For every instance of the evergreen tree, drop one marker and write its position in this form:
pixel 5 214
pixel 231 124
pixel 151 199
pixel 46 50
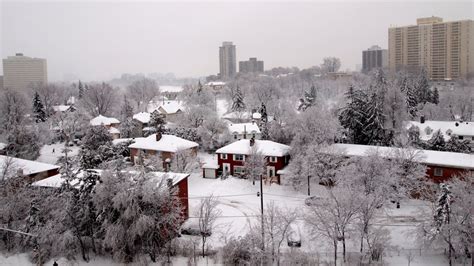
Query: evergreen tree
pixel 435 99
pixel 411 97
pixel 157 121
pixel 422 87
pixel 81 90
pixel 309 99
pixel 96 147
pixel 238 104
pixel 264 122
pixel 374 122
pixel 127 109
pixel 437 141
pixel 199 88
pixel 455 145
pixel 443 206
pixel 38 109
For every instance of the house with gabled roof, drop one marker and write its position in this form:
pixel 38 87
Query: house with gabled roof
pixel 231 159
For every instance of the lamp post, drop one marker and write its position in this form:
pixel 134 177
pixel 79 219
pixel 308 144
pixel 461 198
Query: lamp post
pixel 309 190
pixel 261 211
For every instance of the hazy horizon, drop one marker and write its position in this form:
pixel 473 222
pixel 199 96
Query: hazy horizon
pixel 102 40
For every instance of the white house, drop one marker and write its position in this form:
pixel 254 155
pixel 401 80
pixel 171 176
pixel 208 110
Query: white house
pixel 463 130
pixel 244 131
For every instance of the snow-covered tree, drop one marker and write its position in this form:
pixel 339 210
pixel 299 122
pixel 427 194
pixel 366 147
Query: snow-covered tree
pixel 238 104
pixel 99 99
pixel 142 91
pixel 422 87
pixel 308 100
pixel 23 142
pixel 81 89
pixel 38 109
pixel 435 99
pixel 96 147
pixel 207 213
pixel 456 145
pixel 255 164
pixel 437 142
pixel 213 133
pixel 13 109
pixel 157 121
pixel 330 64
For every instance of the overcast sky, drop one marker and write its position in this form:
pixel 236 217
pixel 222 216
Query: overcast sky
pixel 101 40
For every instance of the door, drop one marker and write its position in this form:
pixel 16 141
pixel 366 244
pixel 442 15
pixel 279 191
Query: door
pixel 225 169
pixel 270 171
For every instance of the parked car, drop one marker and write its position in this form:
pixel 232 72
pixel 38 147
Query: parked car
pixel 313 200
pixel 194 231
pixel 294 237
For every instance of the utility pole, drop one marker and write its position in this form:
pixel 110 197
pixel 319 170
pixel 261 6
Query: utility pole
pixel 261 210
pixel 309 191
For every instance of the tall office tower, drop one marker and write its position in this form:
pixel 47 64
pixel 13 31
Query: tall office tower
pixel 20 72
pixel 251 66
pixel 374 57
pixel 445 49
pixel 227 60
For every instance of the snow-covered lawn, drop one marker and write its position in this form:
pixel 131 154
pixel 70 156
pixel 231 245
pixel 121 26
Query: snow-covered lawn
pixel 51 153
pixel 221 105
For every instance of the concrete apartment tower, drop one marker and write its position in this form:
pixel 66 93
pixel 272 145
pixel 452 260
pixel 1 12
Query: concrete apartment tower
pixel 251 66
pixel 374 57
pixel 20 72
pixel 445 49
pixel 227 60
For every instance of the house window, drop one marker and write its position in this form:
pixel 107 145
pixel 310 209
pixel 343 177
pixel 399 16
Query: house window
pixel 239 170
pixel 461 137
pixel 438 172
pixel 224 156
pixel 235 136
pixel 273 159
pixel 238 157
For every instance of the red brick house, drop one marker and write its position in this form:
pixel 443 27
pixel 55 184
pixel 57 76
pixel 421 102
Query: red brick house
pixel 32 170
pixel 441 166
pixel 231 158
pixel 166 146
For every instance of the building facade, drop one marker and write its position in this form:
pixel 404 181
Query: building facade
pixel 251 66
pixel 444 49
pixel 227 60
pixel 21 72
pixel 374 57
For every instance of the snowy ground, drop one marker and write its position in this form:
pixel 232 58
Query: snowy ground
pixel 240 208
pixel 51 153
pixel 221 105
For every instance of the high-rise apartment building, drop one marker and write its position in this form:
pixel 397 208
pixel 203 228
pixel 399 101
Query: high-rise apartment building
pixel 227 60
pixel 374 57
pixel 20 72
pixel 251 66
pixel 445 49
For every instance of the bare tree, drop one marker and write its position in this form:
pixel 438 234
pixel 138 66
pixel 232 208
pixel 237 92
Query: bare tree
pixel 330 64
pixel 277 224
pixel 255 164
pixel 99 99
pixel 333 217
pixel 9 168
pixel 207 213
pixel 142 91
pixel 50 95
pixel 12 108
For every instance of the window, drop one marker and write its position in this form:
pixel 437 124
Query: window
pixel 238 157
pixel 235 136
pixel 273 159
pixel 438 172
pixel 223 156
pixel 239 170
pixel 461 137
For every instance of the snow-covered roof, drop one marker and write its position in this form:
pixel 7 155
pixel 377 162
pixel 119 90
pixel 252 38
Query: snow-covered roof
pixel 171 107
pixel 28 167
pixel 210 165
pixel 167 88
pixel 142 117
pixel 436 158
pixel 2 146
pixel 175 177
pixel 256 115
pixel 103 120
pixel 54 181
pixel 61 108
pixel 240 128
pixel 266 147
pixel 215 83
pixel 168 143
pixel 448 128
pixel 113 130
pixel 118 141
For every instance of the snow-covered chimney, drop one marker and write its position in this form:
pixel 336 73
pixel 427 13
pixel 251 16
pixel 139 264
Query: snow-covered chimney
pixel 422 119
pixel 252 142
pixel 158 136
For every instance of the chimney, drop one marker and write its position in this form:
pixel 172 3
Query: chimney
pixel 422 119
pixel 19 172
pixel 252 142
pixel 158 136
